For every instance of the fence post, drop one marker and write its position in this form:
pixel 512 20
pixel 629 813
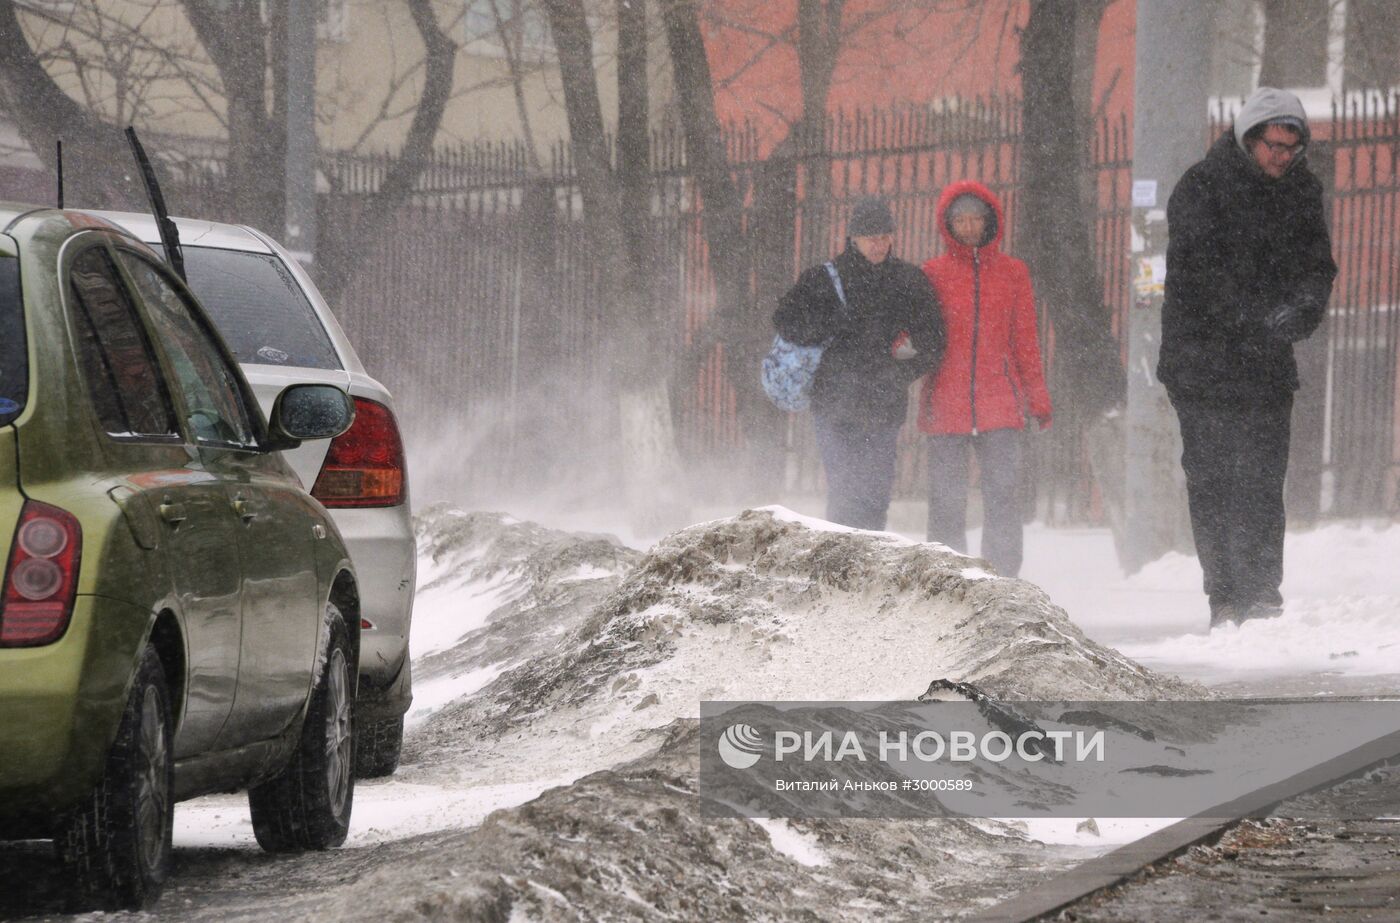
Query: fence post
pixel 540 350
pixel 1303 492
pixel 775 230
pixel 539 321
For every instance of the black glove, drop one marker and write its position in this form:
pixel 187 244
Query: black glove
pixel 1287 323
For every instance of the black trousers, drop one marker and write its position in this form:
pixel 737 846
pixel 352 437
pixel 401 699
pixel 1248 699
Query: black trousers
pixel 859 458
pixel 1235 457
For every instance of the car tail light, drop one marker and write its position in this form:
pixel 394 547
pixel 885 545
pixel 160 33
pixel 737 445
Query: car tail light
pixel 364 466
pixel 42 576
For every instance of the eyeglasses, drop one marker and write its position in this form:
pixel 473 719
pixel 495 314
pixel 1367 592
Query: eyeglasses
pixel 1278 147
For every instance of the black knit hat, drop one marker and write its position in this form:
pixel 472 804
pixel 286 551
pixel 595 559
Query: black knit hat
pixel 869 218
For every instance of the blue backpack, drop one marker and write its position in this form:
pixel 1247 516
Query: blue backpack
pixel 788 369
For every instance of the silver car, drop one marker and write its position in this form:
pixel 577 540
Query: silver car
pixel 282 332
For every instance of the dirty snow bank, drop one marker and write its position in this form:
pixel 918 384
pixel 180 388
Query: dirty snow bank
pixel 762 607
pixel 572 669
pixel 493 592
pixel 759 606
pixel 630 844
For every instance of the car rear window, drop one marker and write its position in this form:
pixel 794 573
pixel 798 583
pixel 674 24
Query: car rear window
pixel 14 348
pixel 259 309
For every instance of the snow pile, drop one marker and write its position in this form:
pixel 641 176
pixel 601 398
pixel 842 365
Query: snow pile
pixel 629 844
pixel 551 764
pixel 760 607
pixel 570 671
pixel 493 592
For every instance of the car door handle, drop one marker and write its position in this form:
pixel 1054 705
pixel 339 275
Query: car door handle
pixel 246 509
pixel 173 513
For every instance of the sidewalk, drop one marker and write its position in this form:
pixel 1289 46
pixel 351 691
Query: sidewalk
pixel 1276 869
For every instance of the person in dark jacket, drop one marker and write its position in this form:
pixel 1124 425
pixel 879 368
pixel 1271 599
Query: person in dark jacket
pixel 990 381
pixel 1249 272
pixel 887 334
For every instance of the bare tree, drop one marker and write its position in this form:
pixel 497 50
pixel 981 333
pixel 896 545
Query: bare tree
pixel 1057 228
pixel 740 321
pixel 647 463
pixel 707 158
pixel 232 65
pixel 1295 43
pixel 633 147
pixel 573 40
pixel 1372 44
pixel 96 163
pixel 342 242
pixel 510 28
pixel 1058 201
pixel 250 53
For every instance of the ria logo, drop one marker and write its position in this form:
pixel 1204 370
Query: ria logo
pixel 740 746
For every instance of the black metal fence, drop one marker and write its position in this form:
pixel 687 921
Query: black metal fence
pixel 485 279
pixel 1360 454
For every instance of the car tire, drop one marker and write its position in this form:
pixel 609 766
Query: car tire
pixel 307 804
pixel 115 845
pixel 377 747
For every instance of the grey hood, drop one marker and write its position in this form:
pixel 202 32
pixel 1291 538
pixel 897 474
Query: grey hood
pixel 1267 104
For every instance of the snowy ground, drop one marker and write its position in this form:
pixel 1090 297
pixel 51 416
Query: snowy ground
pixel 1339 632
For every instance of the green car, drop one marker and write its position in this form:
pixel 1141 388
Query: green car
pixel 178 615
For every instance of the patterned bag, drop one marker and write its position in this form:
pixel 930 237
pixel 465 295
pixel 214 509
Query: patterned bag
pixel 788 370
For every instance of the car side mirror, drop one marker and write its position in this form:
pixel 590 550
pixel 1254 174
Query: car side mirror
pixel 309 412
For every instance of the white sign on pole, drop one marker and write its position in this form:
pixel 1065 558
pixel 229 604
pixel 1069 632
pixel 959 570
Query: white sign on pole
pixel 1144 193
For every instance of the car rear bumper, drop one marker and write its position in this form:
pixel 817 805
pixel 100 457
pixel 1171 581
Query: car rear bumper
pixel 60 705
pixel 382 547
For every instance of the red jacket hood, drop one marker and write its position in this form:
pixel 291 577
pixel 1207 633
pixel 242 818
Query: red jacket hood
pixel 951 192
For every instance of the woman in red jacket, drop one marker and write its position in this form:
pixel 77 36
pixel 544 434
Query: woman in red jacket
pixel 990 380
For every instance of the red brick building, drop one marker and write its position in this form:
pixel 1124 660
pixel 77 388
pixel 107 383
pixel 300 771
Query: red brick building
pixel 894 54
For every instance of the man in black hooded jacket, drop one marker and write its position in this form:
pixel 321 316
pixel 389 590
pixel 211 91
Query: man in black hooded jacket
pixel 1249 272
pixel 888 333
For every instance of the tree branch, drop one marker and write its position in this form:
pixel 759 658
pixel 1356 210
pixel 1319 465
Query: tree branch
pixel 341 241
pixel 574 43
pixel 94 152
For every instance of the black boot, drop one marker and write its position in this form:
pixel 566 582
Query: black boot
pixel 1226 614
pixel 1261 611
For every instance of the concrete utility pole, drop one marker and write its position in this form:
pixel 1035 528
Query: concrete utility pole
pixel 1170 104
pixel 300 236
